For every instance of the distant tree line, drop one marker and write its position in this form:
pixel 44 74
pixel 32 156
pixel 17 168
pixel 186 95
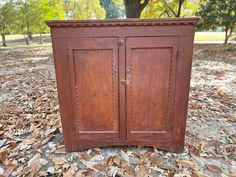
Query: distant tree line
pixel 28 17
pixel 218 13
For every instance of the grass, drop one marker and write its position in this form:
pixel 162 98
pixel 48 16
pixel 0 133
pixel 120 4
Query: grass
pixel 20 36
pixel 19 41
pixel 211 36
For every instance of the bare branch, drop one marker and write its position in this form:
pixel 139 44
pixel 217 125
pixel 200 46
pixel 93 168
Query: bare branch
pixel 144 4
pixel 166 4
pixel 179 9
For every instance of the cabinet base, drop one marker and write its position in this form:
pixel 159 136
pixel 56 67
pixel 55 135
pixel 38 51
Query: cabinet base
pixel 166 146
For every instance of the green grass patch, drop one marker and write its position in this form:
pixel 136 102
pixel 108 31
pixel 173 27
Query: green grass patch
pixel 211 36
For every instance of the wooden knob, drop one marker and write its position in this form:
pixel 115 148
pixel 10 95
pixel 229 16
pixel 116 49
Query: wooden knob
pixel 120 41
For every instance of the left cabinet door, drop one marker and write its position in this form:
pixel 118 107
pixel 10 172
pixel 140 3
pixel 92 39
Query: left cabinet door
pixel 93 64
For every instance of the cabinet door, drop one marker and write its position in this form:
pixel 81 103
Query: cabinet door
pixel 94 83
pixel 150 72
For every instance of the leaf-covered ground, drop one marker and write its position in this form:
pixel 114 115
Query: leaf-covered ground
pixel 31 141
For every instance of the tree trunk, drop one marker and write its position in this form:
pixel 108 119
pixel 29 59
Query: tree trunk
pixel 4 40
pixel 41 38
pixel 180 7
pixel 30 36
pixel 226 35
pixel 27 39
pixel 133 8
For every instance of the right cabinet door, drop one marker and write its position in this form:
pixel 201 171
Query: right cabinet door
pixel 150 74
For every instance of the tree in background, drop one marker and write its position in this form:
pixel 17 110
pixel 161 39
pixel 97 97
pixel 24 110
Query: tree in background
pixel 218 13
pixel 133 8
pixel 168 9
pixel 112 9
pixel 84 9
pixel 160 8
pixel 47 10
pixel 27 13
pixel 31 16
pixel 7 17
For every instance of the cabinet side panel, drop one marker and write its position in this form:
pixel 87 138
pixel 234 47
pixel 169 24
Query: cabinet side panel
pixel 183 75
pixel 64 91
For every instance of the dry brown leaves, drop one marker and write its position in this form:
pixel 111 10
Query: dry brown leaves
pixel 31 136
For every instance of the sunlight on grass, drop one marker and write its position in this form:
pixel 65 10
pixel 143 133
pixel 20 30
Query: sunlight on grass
pixel 17 40
pixel 209 36
pixel 19 36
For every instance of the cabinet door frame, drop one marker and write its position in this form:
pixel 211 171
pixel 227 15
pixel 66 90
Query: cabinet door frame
pixel 148 43
pixel 94 44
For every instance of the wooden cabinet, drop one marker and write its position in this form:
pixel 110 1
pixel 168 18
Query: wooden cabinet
pixel 123 82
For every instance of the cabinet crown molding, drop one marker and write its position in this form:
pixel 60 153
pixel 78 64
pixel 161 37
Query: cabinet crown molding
pixel 123 22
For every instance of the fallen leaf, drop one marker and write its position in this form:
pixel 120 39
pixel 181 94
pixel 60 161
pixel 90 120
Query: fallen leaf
pixel 46 140
pixel 84 156
pixel 90 165
pixel 115 160
pixel 30 141
pixel 42 173
pixel 198 174
pixel 7 171
pixel 58 160
pixel 85 172
pixel 100 167
pixel 13 145
pixel 51 170
pixel 168 167
pixel 60 150
pixel 81 173
pixel 2 142
pixel 1 170
pixel 124 156
pixel 71 171
pixel 154 160
pixel 43 161
pixel 3 155
pixel 143 172
pixel 97 157
pixel 171 174
pixel 187 163
pixel 35 168
pixel 34 160
pixel 220 93
pixel 214 168
pixel 95 152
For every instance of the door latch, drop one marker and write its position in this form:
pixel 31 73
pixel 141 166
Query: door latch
pixel 124 81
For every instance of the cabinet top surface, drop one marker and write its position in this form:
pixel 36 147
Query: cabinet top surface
pixel 123 22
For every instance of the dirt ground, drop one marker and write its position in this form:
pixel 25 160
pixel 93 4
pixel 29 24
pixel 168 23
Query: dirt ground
pixel 31 141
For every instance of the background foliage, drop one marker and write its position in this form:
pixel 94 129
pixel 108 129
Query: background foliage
pixel 27 17
pixel 218 13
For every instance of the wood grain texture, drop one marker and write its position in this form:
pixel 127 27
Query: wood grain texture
pixel 64 92
pixel 123 82
pixel 94 81
pixel 151 62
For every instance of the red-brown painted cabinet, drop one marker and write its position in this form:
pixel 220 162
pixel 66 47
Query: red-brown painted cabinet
pixel 123 82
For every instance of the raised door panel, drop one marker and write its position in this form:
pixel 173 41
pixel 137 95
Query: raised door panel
pixel 150 67
pixel 94 83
